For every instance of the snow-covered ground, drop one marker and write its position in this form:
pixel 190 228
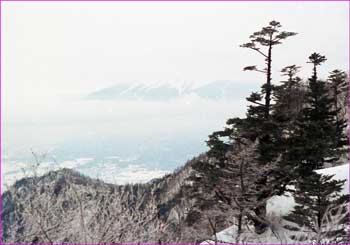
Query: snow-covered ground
pixel 277 207
pixel 281 205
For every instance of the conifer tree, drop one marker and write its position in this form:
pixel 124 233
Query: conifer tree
pixel 339 88
pixel 258 118
pixel 311 145
pixel 266 38
pixel 258 121
pixel 257 124
pixel 288 96
pixel 314 136
pixel 318 200
pixel 258 113
pixel 338 81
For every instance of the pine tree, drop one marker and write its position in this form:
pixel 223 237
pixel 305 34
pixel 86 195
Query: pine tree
pixel 257 124
pixel 288 97
pixel 267 38
pixel 289 100
pixel 258 115
pixel 310 146
pixel 258 118
pixel 339 89
pixel 312 142
pixel 258 121
pixel 318 200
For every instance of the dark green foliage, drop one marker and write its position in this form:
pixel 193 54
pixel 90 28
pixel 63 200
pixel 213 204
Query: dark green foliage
pixel 312 142
pixel 299 133
pixel 267 38
pixel 339 88
pixel 217 146
pixel 258 119
pixel 318 201
pixel 257 125
pixel 288 97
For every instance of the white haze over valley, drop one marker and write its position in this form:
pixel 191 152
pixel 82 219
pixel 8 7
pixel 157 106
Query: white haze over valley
pixel 119 141
pixel 127 92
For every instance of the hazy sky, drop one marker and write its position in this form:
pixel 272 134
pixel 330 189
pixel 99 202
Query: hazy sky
pixel 55 51
pixel 76 47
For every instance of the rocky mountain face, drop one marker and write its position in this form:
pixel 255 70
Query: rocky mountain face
pixel 65 207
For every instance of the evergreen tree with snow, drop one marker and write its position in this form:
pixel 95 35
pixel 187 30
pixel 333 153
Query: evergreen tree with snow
pixel 321 210
pixel 258 124
pixel 313 140
pixel 314 143
pixel 258 120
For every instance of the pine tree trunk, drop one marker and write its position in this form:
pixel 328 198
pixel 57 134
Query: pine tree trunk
pixel 240 218
pixel 268 83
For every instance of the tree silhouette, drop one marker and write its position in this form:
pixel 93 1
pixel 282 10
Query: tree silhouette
pixel 266 38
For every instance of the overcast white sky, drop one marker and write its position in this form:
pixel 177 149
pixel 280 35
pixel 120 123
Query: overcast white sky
pixel 76 47
pixel 57 50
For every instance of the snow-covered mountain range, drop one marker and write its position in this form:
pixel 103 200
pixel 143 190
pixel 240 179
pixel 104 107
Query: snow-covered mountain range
pixel 217 90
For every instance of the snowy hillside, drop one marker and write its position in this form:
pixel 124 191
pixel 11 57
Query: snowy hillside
pixel 163 209
pixel 277 207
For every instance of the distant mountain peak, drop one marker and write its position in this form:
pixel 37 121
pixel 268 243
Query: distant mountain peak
pixel 162 91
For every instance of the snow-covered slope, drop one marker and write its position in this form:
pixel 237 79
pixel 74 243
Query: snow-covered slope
pixel 277 207
pixel 281 205
pixel 77 209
